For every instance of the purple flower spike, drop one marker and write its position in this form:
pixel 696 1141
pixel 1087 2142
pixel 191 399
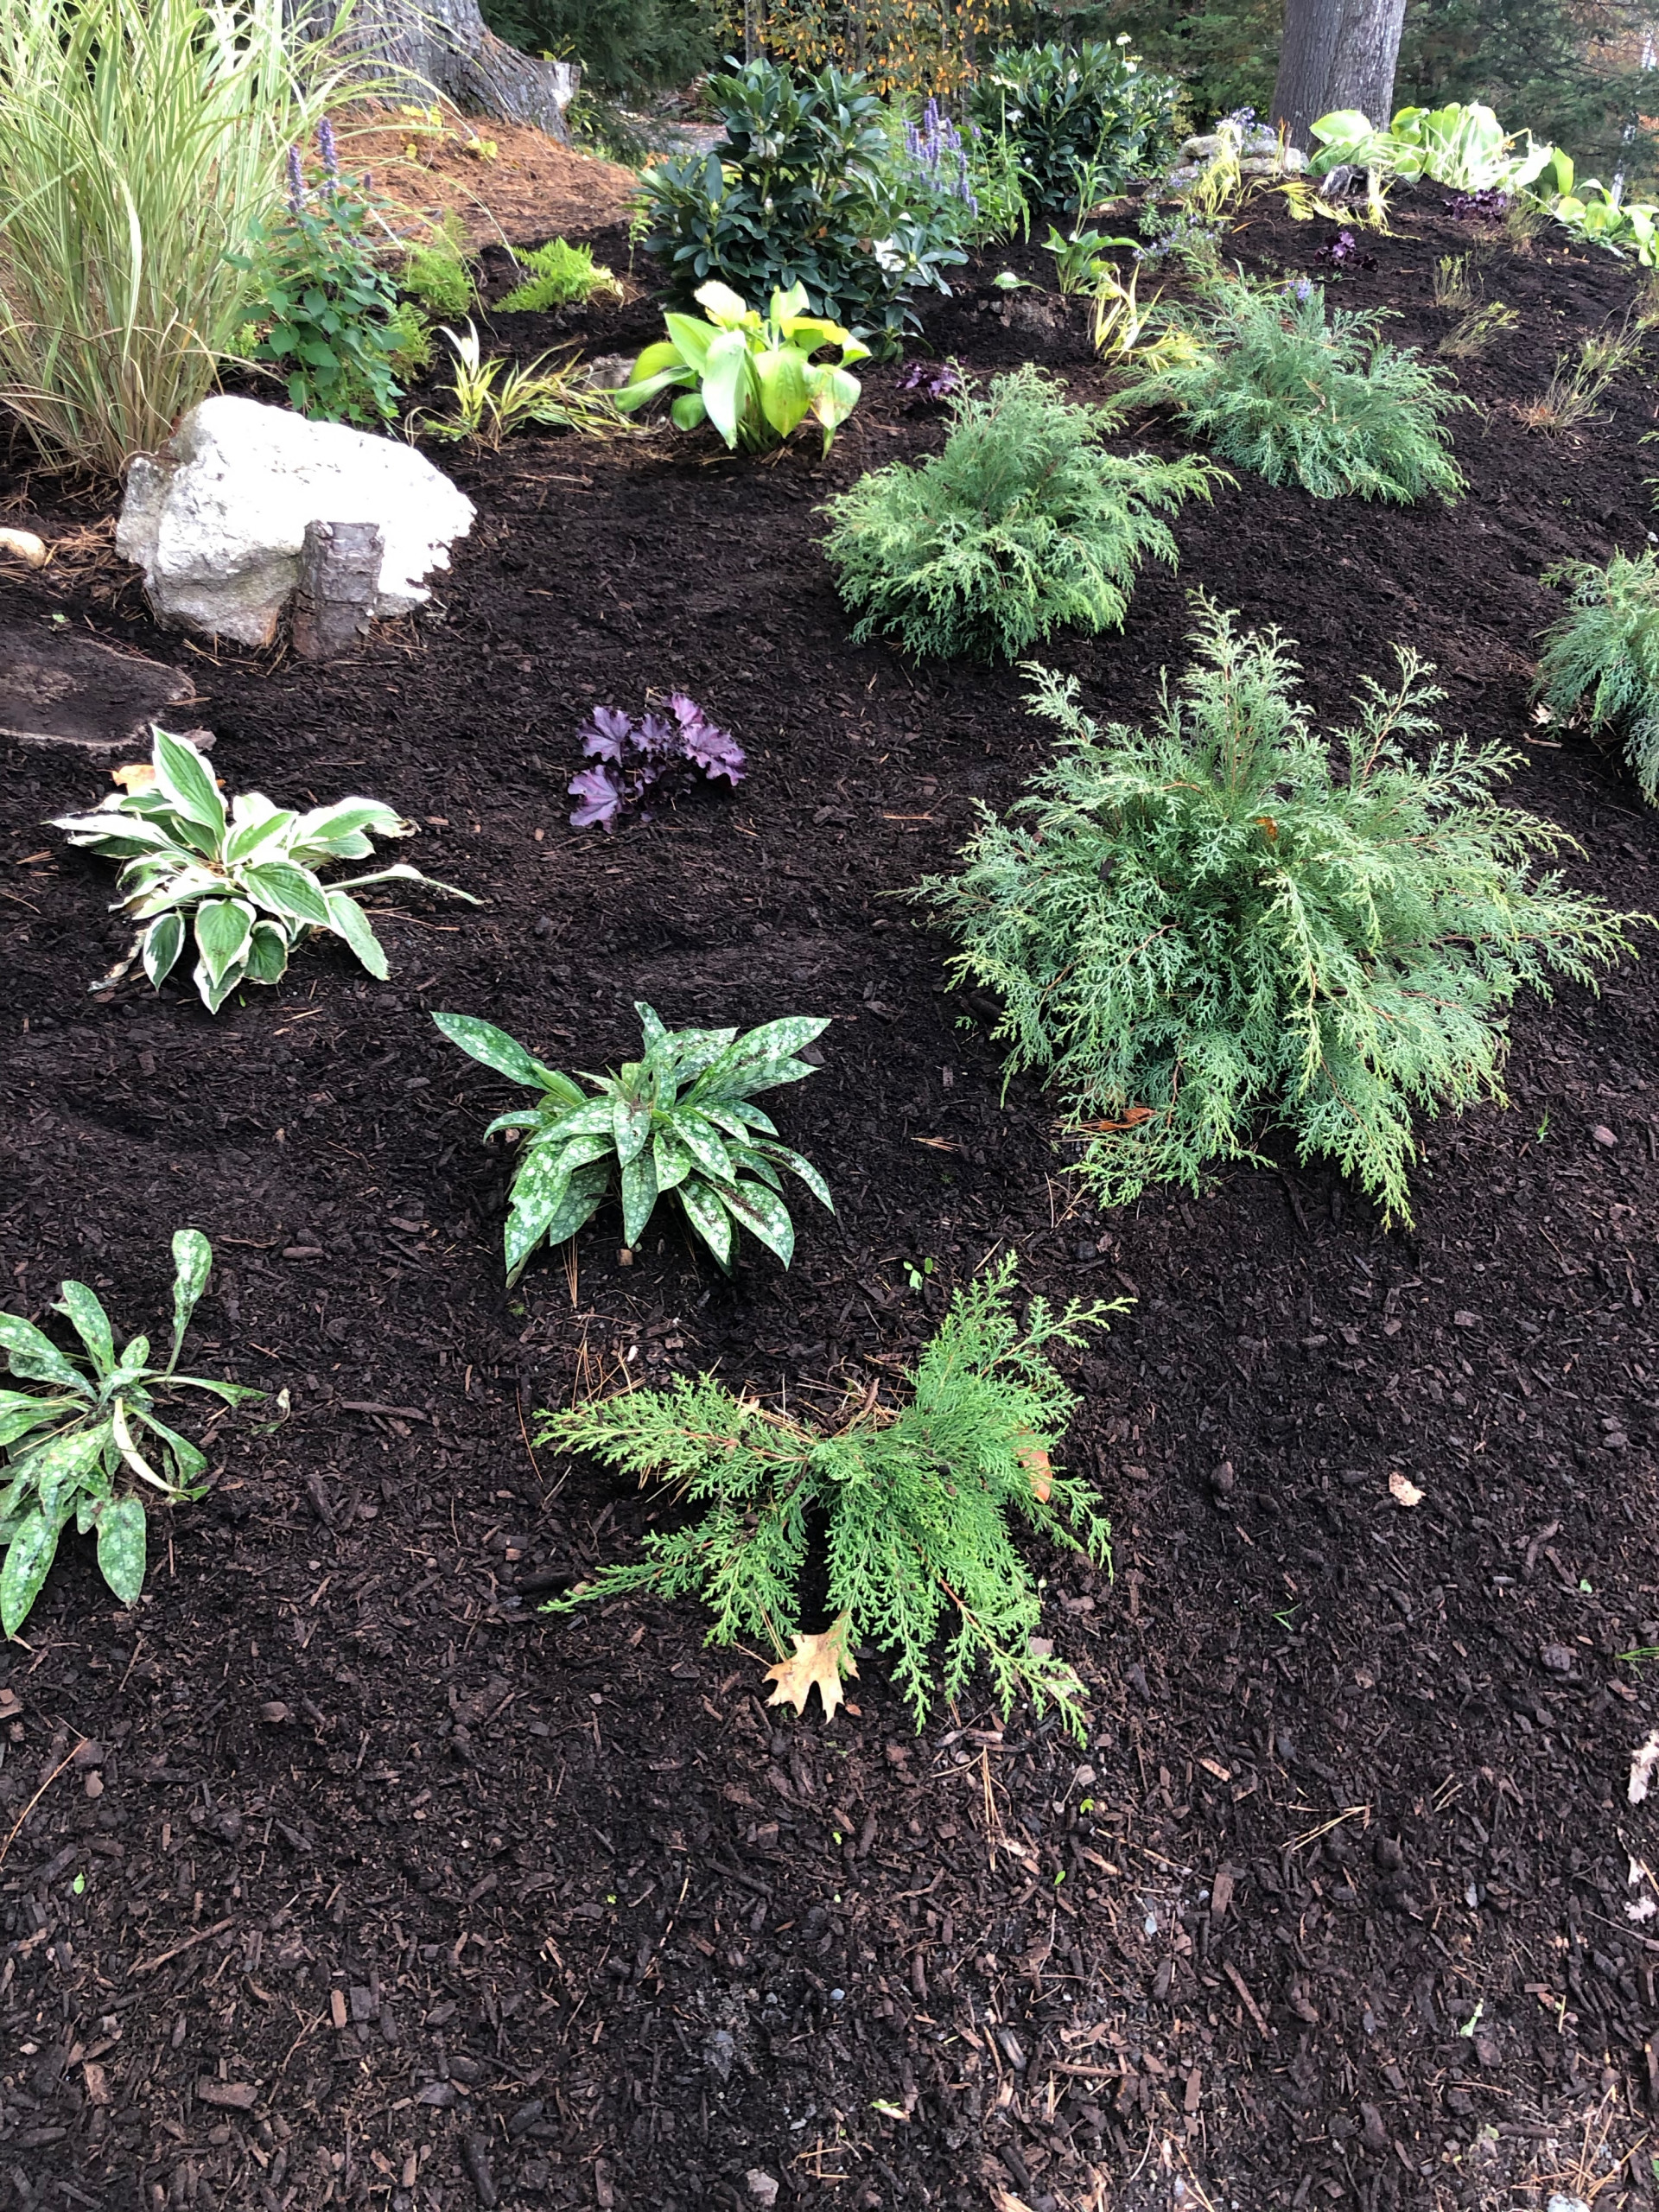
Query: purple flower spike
pixel 326 147
pixel 296 180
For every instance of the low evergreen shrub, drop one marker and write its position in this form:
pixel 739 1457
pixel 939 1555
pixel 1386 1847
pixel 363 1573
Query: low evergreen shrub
pixel 1274 385
pixel 919 1499
pixel 1212 925
pixel 1606 651
pixel 1024 523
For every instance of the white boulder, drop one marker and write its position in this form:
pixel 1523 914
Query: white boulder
pixel 217 519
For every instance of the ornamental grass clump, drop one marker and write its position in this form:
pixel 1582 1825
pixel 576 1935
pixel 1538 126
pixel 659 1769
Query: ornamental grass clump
pixel 1606 652
pixel 1225 923
pixel 1274 383
pixel 1024 523
pixel 916 1501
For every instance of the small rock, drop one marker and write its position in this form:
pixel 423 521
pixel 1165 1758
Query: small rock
pixel 1560 2203
pixel 1601 1134
pixel 1557 1658
pixel 1388 1856
pixel 1373 2133
pixel 275 1713
pixel 1222 1478
pixel 1463 1319
pixel 761 2186
pixel 441 2094
pixel 238 2096
pixel 475 2156
pixel 718 2050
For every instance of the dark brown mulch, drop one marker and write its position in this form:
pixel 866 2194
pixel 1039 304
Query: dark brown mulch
pixel 340 1875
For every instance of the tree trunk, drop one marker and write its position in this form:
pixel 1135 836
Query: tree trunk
pixel 1335 53
pixel 446 44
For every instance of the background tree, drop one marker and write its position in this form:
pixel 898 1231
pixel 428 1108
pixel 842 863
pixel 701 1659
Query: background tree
pixel 1335 53
pixel 447 44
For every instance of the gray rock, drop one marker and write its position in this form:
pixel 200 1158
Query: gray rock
pixel 217 518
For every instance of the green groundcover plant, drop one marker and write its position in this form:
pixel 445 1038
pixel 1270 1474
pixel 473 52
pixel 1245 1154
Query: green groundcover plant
pixel 246 876
pixel 680 1118
pixel 1212 925
pixel 918 1500
pixel 436 272
pixel 1605 652
pixel 1023 524
pixel 1273 385
pixel 94 1428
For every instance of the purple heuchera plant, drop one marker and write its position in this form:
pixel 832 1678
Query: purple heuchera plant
pixel 1489 205
pixel 637 758
pixel 933 380
pixel 1345 252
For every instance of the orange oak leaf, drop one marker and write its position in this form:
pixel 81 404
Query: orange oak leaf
pixel 821 1659
pixel 1034 1458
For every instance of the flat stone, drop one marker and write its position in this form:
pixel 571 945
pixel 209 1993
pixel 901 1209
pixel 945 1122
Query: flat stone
pixel 59 688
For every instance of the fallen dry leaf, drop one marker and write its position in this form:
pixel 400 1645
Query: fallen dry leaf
pixel 1644 1759
pixel 1403 1491
pixel 25 545
pixel 821 1659
pixel 1006 2201
pixel 1035 1461
pixel 136 776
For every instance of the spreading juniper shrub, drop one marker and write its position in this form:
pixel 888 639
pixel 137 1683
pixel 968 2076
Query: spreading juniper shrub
pixel 1023 524
pixel 1226 922
pixel 1272 382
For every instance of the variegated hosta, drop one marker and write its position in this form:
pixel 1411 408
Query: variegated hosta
pixel 679 1119
pixel 250 874
pixel 95 1423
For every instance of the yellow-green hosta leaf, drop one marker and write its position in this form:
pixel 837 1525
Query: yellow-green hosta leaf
pixel 688 412
pixel 785 392
pixel 692 338
pixel 726 307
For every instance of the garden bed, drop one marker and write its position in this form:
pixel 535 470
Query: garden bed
pixel 371 1886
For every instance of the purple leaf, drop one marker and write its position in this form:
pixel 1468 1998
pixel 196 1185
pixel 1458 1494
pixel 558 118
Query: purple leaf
pixel 602 799
pixel 657 740
pixel 607 734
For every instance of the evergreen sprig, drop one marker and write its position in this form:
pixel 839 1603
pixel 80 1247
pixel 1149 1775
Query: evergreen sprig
pixel 1273 385
pixel 1022 525
pixel 1607 651
pixel 918 1500
pixel 1209 925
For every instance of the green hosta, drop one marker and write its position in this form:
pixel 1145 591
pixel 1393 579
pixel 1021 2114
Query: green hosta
pixel 93 1426
pixel 246 877
pixel 677 1119
pixel 752 376
pixel 918 1502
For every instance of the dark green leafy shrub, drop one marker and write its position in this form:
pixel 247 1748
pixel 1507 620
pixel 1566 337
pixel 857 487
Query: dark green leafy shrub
pixel 1262 375
pixel 1210 926
pixel 1607 651
pixel 803 189
pixel 1085 118
pixel 1023 523
pixel 918 1500
pixel 560 275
